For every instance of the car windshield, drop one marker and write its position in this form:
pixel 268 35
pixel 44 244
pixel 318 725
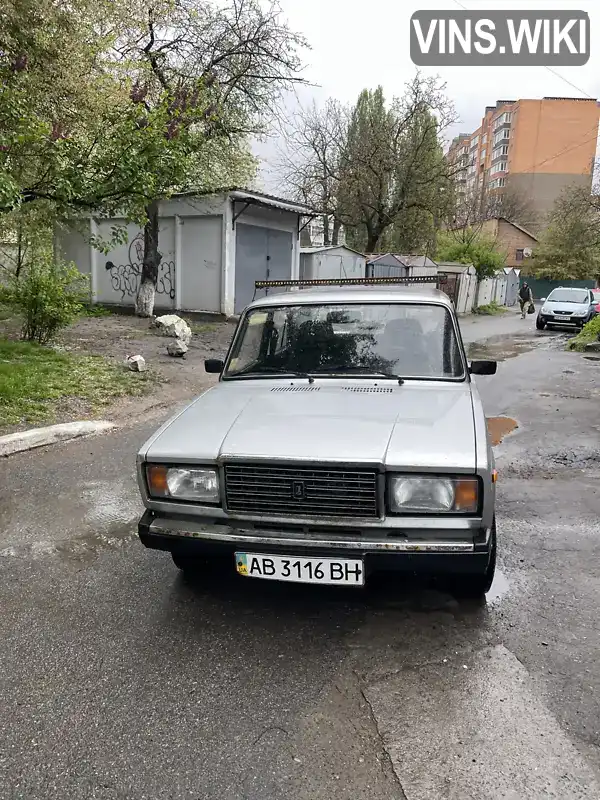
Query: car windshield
pixel 394 340
pixel 569 296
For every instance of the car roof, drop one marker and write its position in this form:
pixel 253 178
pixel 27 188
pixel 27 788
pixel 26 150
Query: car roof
pixel 355 294
pixel 571 289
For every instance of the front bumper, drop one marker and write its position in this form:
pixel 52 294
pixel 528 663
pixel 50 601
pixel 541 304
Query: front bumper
pixel 447 553
pixel 574 322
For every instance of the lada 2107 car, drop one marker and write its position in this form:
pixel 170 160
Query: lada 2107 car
pixel 345 436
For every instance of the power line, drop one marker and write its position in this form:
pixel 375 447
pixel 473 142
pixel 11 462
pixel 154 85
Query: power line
pixel 568 149
pixel 552 71
pixel 562 77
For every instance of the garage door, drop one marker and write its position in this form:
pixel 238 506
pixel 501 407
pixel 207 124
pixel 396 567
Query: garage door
pixel 201 246
pixel 260 254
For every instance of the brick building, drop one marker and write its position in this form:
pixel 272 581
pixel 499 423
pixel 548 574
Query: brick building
pixel 517 241
pixel 538 147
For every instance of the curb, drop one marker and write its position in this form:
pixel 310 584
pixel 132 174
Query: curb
pixel 41 437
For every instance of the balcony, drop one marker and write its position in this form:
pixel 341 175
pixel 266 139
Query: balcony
pixel 502 120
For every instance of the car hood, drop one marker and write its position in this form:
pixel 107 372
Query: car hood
pixel 553 305
pixel 414 426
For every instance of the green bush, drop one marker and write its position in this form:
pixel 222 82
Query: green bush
pixel 589 333
pixel 48 295
pixel 477 249
pixel 491 309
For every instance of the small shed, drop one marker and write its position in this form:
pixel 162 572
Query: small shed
pixel 213 246
pixel 512 285
pixel 334 261
pixel 493 290
pixel 385 265
pixel 465 276
pixel 418 266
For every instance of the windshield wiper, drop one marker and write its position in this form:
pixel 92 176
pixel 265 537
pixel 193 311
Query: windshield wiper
pixel 344 369
pixel 266 371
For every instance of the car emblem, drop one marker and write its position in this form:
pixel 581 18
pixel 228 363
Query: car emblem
pixel 298 490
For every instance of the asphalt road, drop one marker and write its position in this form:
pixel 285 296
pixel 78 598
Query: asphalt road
pixel 120 680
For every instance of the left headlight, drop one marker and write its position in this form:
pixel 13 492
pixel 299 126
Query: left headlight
pixel 200 485
pixel 434 495
pixel 580 313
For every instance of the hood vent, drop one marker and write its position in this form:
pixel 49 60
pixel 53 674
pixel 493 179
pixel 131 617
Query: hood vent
pixel 370 389
pixel 296 389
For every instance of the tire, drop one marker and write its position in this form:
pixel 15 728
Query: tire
pixel 478 585
pixel 189 565
pixel 540 324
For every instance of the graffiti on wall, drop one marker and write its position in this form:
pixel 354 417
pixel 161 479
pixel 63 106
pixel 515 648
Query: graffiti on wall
pixel 125 278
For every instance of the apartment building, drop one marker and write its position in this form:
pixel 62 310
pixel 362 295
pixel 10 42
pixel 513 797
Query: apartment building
pixel 539 147
pixel 313 234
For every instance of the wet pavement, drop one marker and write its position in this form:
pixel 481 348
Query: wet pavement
pixel 119 679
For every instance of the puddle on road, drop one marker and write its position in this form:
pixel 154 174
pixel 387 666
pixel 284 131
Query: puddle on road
pixel 109 503
pixel 501 348
pixel 93 542
pixel 500 427
pixel 81 548
pixel 500 588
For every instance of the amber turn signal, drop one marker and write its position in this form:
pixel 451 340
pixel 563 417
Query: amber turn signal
pixel 466 496
pixel 157 480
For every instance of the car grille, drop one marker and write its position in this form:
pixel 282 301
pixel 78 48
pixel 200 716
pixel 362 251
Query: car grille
pixel 301 491
pixel 563 313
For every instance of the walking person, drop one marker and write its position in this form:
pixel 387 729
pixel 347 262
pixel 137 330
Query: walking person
pixel 525 299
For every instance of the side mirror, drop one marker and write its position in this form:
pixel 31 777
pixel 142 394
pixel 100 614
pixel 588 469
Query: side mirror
pixel 543 299
pixel 214 366
pixel 483 367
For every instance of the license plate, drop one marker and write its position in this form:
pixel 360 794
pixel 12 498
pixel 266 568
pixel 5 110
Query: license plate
pixel 560 318
pixel 331 571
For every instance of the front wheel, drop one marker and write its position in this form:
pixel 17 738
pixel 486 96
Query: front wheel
pixel 189 565
pixel 540 324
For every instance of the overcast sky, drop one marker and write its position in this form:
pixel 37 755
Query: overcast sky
pixel 358 45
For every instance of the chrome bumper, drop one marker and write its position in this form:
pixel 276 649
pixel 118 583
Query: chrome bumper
pixel 369 543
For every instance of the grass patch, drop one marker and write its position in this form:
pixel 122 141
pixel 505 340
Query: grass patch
pixel 96 311
pixel 203 327
pixel 590 333
pixel 490 310
pixel 34 380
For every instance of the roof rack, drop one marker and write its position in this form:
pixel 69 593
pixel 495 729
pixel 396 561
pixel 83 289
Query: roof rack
pixel 438 279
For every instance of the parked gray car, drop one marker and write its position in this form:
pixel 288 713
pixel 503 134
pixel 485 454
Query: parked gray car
pixel 567 306
pixel 345 436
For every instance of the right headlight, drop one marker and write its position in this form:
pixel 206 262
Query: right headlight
pixel 433 495
pixel 195 484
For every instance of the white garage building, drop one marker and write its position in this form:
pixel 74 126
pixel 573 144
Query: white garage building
pixel 331 262
pixel 214 247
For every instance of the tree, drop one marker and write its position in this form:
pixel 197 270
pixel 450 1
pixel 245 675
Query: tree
pixel 478 250
pixel 393 160
pixel 208 74
pixel 108 106
pixel 309 166
pixel 470 210
pixel 570 246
